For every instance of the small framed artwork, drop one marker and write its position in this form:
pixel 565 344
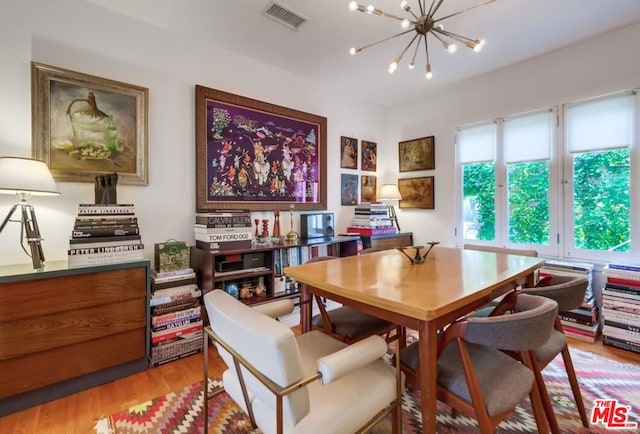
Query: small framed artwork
pixel 348 153
pixel 83 125
pixel 417 192
pixel 368 188
pixel 417 154
pixel 348 189
pixel 369 153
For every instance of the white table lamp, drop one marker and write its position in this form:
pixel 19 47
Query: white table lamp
pixel 26 177
pixel 388 194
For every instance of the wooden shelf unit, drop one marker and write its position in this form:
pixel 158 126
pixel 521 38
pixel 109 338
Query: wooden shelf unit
pixel 204 262
pixel 65 329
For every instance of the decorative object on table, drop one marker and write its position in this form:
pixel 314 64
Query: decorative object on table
pixel 276 223
pixel 390 193
pixel 232 289
pixel 417 154
pixel 260 288
pixel 292 236
pixel 348 152
pixel 417 192
pixel 368 188
pixel 369 156
pixel 348 189
pixel 265 228
pixel 83 125
pixel 257 222
pixel 171 255
pixel 281 150
pixel 105 188
pixel 26 177
pixel 418 257
pixel 423 23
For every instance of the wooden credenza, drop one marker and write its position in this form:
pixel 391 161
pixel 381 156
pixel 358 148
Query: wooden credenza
pixel 65 329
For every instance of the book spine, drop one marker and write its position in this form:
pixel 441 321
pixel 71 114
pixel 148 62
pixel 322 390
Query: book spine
pixel 619 333
pixel 182 289
pixel 226 245
pixel 176 323
pixel 104 249
pixel 622 326
pixel 109 220
pixel 571 320
pixel 622 344
pixel 175 306
pixel 105 241
pixel 225 221
pixel 616 287
pixel 199 229
pixel 371 231
pixel 104 227
pixel 163 274
pixel 621 317
pixel 224 237
pixel 106 210
pixel 105 232
pixel 105 258
pixel 621 274
pixel 156 286
pixel 166 299
pixel 186 313
pixel 159 280
pixel 623 282
pixel 165 335
pixel 179 356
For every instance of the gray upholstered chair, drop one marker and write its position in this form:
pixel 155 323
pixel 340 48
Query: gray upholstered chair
pixel 475 376
pixel 309 383
pixel 569 293
pixel 348 324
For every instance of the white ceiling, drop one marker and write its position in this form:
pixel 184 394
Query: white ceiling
pixel 515 30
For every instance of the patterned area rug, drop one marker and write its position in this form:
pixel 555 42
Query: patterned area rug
pixel 181 412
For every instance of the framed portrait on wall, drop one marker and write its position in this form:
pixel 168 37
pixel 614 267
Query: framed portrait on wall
pixel 368 188
pixel 348 189
pixel 256 155
pixel 369 153
pixel 348 153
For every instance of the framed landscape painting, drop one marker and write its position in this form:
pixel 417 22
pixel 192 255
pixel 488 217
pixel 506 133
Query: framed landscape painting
pixel 417 192
pixel 83 125
pixel 256 155
pixel 417 154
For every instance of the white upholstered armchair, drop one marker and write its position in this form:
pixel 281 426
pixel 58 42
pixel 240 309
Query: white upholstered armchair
pixel 300 384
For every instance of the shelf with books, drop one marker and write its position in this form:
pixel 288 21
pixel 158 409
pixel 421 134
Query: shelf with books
pixel 621 307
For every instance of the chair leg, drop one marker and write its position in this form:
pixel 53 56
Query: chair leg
pixel 537 406
pixel 575 387
pixel 544 397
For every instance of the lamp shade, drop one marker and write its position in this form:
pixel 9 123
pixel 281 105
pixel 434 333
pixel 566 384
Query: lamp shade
pixel 25 175
pixel 389 192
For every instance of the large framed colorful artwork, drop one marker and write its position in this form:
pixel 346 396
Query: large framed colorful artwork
pixel 256 155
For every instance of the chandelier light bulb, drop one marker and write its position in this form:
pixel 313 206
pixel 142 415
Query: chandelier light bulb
pixel 412 65
pixel 404 5
pixel 404 24
pixel 428 75
pixel 392 67
pixel 371 8
pixel 353 6
pixel 353 51
pixel 452 48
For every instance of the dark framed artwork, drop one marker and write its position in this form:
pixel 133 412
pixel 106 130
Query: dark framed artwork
pixel 83 125
pixel 417 154
pixel 348 189
pixel 348 152
pixel 368 188
pixel 256 155
pixel 417 192
pixel 369 152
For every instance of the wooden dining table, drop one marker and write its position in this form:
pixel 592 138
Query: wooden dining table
pixel 424 296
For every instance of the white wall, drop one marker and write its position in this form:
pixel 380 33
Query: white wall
pixel 594 67
pixel 82 37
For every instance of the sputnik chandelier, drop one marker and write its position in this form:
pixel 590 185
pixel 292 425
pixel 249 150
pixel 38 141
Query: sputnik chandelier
pixel 423 24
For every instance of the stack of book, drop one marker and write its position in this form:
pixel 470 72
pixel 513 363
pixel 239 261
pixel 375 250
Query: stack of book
pixel 621 307
pixel 583 322
pixel 104 234
pixel 371 218
pixel 176 315
pixel 223 230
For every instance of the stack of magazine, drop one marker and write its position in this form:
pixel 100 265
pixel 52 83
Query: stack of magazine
pixel 105 234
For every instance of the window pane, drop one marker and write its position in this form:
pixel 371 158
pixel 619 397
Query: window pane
pixel 601 182
pixel 528 190
pixel 478 199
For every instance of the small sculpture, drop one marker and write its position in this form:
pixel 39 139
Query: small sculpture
pixel 276 223
pixel 257 222
pixel 265 228
pixel 260 288
pixel 105 189
pixel 292 236
pixel 418 258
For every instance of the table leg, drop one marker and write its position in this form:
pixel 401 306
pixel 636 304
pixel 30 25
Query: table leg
pixel 427 374
pixel 306 305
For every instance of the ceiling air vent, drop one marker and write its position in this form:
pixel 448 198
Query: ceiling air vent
pixel 284 15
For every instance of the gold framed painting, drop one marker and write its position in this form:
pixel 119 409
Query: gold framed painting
pixel 417 154
pixel 417 192
pixel 368 187
pixel 83 125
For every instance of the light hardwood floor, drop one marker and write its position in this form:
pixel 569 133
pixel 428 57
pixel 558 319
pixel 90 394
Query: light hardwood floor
pixel 79 412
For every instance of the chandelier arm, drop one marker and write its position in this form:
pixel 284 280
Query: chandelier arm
pixel 415 52
pixel 364 10
pixel 455 36
pixel 438 37
pixel 464 10
pixel 385 39
pixel 431 11
pixel 426 49
pixel 421 6
pixel 435 9
pixel 407 47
